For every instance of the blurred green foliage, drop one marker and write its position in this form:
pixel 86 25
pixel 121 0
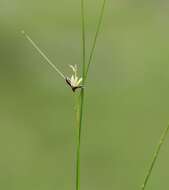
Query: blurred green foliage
pixel 127 99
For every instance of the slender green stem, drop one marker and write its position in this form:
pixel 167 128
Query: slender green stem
pixel 85 72
pixel 42 54
pixel 80 115
pixel 95 37
pixel 81 102
pixel 156 154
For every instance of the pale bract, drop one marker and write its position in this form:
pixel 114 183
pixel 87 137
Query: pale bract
pixel 74 81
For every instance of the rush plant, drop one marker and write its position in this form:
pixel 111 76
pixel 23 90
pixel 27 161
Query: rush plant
pixel 74 82
pixel 78 86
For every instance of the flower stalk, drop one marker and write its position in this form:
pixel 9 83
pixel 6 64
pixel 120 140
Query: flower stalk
pixel 81 98
pixel 85 69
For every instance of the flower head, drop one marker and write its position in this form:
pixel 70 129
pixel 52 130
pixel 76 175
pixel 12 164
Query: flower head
pixel 74 81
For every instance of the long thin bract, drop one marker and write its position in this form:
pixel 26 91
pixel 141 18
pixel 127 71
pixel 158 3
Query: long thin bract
pixel 42 54
pixel 95 38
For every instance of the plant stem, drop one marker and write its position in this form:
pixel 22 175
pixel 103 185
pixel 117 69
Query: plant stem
pixel 81 102
pixel 95 37
pixel 85 72
pixel 156 154
pixel 80 115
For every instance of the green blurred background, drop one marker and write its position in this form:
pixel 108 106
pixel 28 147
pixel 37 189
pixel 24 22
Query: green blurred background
pixel 127 98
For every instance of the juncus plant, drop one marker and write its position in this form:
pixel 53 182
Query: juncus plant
pixel 78 85
pixel 75 82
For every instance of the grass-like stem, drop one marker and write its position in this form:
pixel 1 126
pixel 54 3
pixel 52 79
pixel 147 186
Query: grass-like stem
pixel 85 69
pixel 156 154
pixel 81 99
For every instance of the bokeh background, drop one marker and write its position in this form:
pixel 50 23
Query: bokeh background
pixel 127 97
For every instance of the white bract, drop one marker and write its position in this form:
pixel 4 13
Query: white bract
pixel 74 80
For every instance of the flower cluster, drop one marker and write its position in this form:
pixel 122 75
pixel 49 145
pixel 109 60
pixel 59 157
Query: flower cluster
pixel 74 81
